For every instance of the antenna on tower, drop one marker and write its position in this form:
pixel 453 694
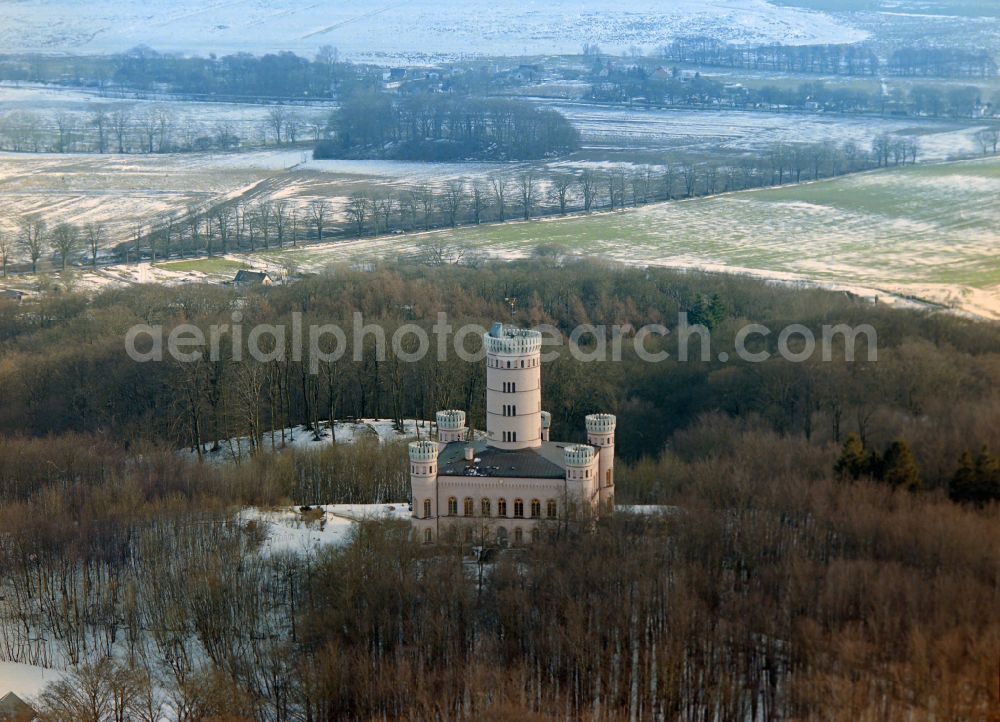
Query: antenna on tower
pixel 512 302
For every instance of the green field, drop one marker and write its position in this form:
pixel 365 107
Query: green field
pixel 929 231
pixel 208 266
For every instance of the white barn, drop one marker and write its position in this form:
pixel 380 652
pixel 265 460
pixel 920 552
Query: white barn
pixel 510 485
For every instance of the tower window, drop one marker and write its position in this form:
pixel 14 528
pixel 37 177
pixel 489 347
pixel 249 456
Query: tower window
pixel 428 536
pixel 427 508
pixel 607 478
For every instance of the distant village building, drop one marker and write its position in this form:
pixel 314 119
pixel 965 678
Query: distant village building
pixel 15 709
pixel 507 487
pixel 246 278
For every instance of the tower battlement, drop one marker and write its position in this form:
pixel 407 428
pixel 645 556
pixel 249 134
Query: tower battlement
pixel 510 341
pixel 579 455
pixel 451 419
pixel 423 451
pixel 600 423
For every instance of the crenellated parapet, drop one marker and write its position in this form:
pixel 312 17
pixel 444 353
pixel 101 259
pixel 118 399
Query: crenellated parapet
pixel 511 341
pixel 422 452
pixel 579 455
pixel 600 423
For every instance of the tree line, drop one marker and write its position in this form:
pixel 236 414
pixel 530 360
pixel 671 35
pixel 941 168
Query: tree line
pixel 124 127
pixel 635 84
pixel 833 59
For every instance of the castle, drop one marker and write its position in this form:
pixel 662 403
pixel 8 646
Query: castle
pixel 507 487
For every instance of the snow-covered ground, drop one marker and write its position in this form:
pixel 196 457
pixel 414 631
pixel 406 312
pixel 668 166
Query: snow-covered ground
pixel 741 131
pixel 346 432
pixel 401 32
pixel 291 530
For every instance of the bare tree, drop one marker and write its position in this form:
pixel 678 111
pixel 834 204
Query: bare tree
pixel 32 239
pixel 65 239
pixel 264 221
pixel 102 121
pixel 454 197
pixel 357 209
pixel 65 126
pixel 149 124
pixel 94 235
pixel 277 119
pixel 560 190
pixel 224 223
pixel 318 211
pixel 121 120
pixel 588 186
pixel 280 221
pixel 500 183
pixel 478 202
pixel 527 187
pixel 6 251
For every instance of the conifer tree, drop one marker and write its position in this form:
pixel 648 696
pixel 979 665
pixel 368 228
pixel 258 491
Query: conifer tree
pixel 963 484
pixel 900 467
pixel 851 463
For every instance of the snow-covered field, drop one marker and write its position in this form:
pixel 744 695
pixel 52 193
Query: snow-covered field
pixel 403 31
pixel 734 131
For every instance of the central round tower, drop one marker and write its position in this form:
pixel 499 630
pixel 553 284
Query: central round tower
pixel 513 387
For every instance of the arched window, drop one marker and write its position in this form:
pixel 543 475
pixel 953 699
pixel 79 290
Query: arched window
pixel 468 533
pixel 501 507
pixel 427 508
pixel 536 534
pixel 518 535
pixel 484 506
pixel 551 508
pixel 519 508
pixel 502 536
pixel 536 508
pixel 607 478
pixel 428 536
pixel 468 508
pixel 452 506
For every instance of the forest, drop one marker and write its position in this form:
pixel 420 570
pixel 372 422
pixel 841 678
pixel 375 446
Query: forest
pixel 442 127
pixel 809 562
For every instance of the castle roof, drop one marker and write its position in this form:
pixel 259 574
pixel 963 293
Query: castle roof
pixel 542 462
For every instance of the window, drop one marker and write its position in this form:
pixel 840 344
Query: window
pixel 536 534
pixel 484 507
pixel 550 508
pixel 513 436
pixel 508 364
pixel 536 508
pixel 452 506
pixel 519 508
pixel 427 508
pixel 607 478
pixel 518 535
pixel 522 363
pixel 428 536
pixel 468 534
pixel 501 507
pixel 468 507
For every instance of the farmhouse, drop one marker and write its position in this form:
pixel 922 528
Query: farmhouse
pixel 509 486
pixel 246 278
pixel 15 709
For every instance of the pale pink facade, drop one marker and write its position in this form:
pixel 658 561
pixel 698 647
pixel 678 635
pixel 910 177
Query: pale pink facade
pixel 509 487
